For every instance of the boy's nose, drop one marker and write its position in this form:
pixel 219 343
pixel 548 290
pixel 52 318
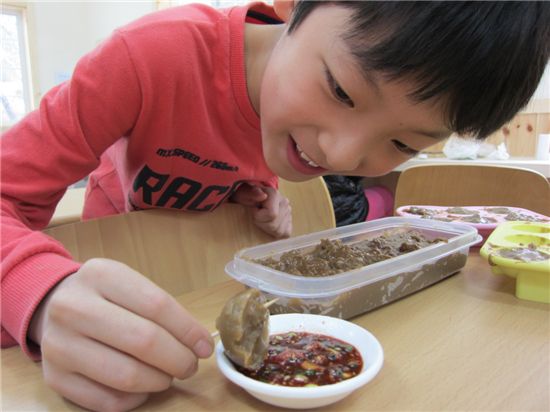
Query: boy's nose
pixel 343 152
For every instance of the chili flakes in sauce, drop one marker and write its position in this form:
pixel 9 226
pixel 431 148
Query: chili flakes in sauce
pixel 306 359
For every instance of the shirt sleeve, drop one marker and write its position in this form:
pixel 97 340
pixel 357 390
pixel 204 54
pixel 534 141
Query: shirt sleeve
pixel 51 148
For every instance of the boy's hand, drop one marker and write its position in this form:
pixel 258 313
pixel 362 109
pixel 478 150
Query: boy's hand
pixel 109 337
pixel 271 211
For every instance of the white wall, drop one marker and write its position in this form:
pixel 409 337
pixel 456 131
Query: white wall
pixel 62 32
pixel 543 91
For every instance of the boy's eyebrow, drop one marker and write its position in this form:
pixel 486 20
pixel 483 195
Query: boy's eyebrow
pixel 372 81
pixel 434 134
pixel 356 67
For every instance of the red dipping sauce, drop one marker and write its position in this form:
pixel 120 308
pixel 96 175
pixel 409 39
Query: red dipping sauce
pixel 306 359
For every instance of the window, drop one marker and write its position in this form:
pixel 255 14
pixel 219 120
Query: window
pixel 215 3
pixel 15 83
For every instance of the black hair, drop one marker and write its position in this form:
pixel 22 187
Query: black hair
pixel 484 59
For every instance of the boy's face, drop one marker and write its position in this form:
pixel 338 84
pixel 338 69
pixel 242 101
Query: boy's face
pixel 321 116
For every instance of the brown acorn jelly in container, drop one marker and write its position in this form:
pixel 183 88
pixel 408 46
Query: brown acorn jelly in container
pixel 350 270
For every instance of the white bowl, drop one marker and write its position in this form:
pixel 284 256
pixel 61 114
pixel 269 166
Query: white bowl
pixel 310 397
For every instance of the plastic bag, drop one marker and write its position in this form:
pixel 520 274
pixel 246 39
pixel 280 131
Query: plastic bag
pixel 459 148
pixel 348 199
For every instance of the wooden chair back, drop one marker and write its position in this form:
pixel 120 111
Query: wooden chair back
pixel 473 185
pixel 182 252
pixel 311 204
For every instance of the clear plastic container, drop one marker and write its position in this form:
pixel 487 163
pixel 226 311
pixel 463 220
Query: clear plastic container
pixel 357 291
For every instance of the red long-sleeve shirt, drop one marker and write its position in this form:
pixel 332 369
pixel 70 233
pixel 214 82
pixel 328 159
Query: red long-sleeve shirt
pixel 158 114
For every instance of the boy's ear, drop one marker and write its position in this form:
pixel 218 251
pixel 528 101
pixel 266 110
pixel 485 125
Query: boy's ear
pixel 283 8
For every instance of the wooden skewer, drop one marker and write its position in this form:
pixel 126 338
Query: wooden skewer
pixel 215 334
pixel 271 302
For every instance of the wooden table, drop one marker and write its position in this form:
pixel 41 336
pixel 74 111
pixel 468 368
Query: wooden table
pixel 466 343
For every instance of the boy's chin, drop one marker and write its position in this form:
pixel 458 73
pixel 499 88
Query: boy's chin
pixel 292 175
pixel 297 179
pixel 285 172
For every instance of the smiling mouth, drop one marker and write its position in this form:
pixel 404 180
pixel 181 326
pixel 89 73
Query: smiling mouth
pixel 301 161
pixel 305 157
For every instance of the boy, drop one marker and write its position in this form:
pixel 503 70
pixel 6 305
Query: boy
pixel 166 113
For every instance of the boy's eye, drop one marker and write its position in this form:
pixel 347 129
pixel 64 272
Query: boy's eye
pixel 402 147
pixel 337 91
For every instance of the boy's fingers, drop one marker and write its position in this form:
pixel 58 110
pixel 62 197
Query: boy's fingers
pixel 266 214
pixel 269 209
pixel 102 363
pixel 88 393
pixel 248 195
pixel 283 229
pixel 286 227
pixel 132 334
pixel 127 288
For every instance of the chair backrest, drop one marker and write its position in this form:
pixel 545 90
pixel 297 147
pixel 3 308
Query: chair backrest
pixel 473 185
pixel 185 251
pixel 69 209
pixel 311 204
